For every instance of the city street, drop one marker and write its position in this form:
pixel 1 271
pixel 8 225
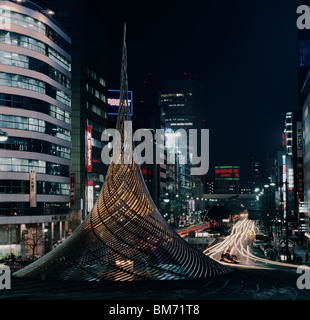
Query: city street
pixel 253 278
pixel 155 152
pixel 197 228
pixel 238 243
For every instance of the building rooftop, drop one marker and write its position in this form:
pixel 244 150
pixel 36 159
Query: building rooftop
pixel 30 5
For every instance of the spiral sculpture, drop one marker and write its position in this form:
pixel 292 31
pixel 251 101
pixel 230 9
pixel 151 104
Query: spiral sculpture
pixel 125 237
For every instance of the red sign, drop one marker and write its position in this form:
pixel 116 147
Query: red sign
pixel 300 181
pixel 72 189
pixel 88 151
pixel 227 172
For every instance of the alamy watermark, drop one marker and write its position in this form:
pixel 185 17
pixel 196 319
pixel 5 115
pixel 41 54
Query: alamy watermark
pixel 5 277
pixel 179 144
pixel 303 281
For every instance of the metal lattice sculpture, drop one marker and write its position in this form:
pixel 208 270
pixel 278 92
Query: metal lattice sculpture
pixel 124 237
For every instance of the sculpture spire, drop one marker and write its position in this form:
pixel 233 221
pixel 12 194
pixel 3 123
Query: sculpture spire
pixel 124 237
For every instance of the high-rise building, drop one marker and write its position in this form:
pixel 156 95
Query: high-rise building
pixel 149 115
pixel 255 172
pixel 182 101
pixel 304 101
pixel 89 98
pixel 303 63
pixel 293 171
pixel 35 113
pixel 227 179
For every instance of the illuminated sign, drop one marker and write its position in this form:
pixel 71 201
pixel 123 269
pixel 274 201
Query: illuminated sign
pixel 290 179
pixel 299 139
pixel 284 183
pixel 113 101
pixel 88 150
pixel 33 188
pixel 90 195
pixel 227 173
pixel 72 189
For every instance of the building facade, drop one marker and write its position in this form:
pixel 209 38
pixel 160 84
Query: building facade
pixel 293 174
pixel 181 101
pixel 89 99
pixel 35 112
pixel 227 179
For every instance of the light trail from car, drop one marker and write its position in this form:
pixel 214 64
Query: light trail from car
pixel 238 243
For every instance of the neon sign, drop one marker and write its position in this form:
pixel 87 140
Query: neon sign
pixel 227 173
pixel 88 152
pixel 113 101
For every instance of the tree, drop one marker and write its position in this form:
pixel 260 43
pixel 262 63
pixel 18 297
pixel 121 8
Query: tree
pixel 34 238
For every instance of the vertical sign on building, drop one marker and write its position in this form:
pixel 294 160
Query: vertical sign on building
pixel 90 195
pixel 72 189
pixel 300 168
pixel 88 149
pixel 33 188
pixel 284 184
pixel 299 139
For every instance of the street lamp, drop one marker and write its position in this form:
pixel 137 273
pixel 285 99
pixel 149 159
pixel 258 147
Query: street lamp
pixel 3 136
pixel 49 12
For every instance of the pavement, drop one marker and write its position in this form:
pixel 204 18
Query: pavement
pixel 257 279
pixel 242 284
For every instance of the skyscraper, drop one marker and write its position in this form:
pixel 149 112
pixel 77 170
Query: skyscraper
pixel 35 112
pixel 181 101
pixel 89 99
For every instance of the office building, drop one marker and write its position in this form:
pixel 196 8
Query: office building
pixel 35 113
pixel 227 179
pixel 182 102
pixel 149 115
pixel 89 99
pixel 293 172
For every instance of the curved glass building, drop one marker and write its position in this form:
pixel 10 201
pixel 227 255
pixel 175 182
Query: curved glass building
pixel 35 112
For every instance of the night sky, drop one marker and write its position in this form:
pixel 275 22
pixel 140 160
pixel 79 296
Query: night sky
pixel 245 53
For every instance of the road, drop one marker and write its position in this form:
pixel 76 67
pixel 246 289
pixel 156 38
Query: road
pixel 253 279
pixel 260 278
pixel 239 243
pixel 197 228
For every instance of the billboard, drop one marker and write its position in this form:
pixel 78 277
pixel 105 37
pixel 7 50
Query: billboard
pixel 90 195
pixel 33 188
pixel 113 101
pixel 72 189
pixel 88 149
pixel 226 172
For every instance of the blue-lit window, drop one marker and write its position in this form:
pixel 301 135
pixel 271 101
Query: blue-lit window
pixel 22 165
pixel 22 61
pixel 17 39
pixel 31 124
pixel 20 102
pixel 18 81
